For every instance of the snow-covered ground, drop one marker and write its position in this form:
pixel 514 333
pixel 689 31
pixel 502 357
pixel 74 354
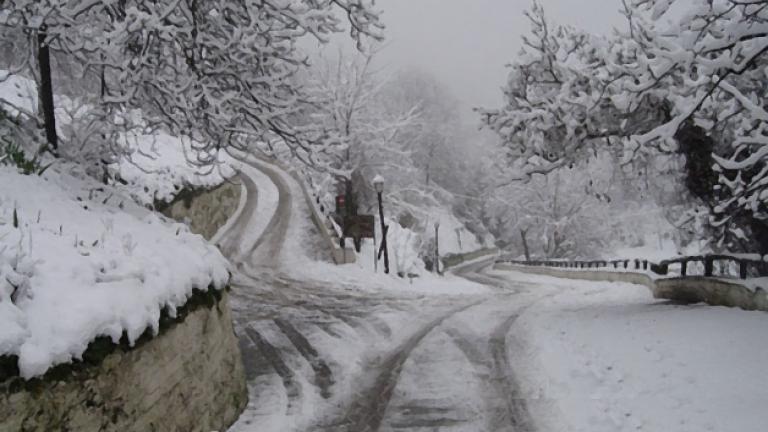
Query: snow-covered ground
pixel 348 317
pixel 86 261
pixel 453 236
pixel 607 357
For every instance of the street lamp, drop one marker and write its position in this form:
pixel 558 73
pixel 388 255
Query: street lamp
pixel 378 185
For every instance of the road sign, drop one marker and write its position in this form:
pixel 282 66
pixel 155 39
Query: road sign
pixel 341 202
pixel 359 226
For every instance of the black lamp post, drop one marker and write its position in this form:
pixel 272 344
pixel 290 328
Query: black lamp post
pixel 378 185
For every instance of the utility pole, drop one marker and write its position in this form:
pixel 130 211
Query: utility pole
pixel 437 249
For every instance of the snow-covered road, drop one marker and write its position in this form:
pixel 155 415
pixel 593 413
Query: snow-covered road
pixel 334 353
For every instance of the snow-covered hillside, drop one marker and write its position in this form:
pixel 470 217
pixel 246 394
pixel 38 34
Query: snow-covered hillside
pixel 152 166
pixel 79 260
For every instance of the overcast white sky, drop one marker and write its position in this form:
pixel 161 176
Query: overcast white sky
pixel 466 43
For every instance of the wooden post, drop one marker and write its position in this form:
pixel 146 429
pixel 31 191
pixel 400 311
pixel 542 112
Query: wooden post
pixel 684 268
pixel 742 269
pixel 437 250
pixel 708 265
pixel 645 264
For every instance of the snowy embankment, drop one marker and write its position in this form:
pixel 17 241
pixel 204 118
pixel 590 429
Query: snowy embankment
pixel 598 356
pixel 80 260
pixel 154 166
pixel 366 273
pixel 157 166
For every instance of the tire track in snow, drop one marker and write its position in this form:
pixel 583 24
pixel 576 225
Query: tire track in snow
pixel 515 412
pixel 272 355
pixel 507 409
pixel 229 241
pixel 323 375
pixel 270 243
pixel 367 412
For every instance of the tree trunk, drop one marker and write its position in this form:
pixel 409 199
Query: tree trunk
pixel 46 90
pixel 523 233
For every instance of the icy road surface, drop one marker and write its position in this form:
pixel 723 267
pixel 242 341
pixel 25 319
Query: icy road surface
pixel 524 353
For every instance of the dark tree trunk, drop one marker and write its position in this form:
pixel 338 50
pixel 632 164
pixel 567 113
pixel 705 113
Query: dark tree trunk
pixel 523 233
pixel 46 90
pixel 700 177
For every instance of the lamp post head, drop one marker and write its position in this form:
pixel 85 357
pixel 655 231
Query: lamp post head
pixel 437 225
pixel 378 183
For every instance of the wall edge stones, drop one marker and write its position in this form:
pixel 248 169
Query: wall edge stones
pixel 188 377
pixel 691 289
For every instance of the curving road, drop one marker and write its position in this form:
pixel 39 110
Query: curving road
pixel 336 358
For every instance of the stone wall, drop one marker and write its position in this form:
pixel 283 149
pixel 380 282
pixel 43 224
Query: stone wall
pixel 205 211
pixel 696 289
pixel 453 260
pixel 188 378
pixel 692 289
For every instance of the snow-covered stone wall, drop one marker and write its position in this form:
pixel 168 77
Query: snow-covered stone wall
pixel 189 378
pixel 692 289
pixel 205 211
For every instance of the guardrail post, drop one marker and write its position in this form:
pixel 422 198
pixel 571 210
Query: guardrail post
pixel 683 268
pixel 637 264
pixel 626 263
pixel 645 264
pixel 742 269
pixel 708 265
pixel 661 268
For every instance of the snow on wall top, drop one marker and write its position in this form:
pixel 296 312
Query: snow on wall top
pixel 85 261
pixel 160 164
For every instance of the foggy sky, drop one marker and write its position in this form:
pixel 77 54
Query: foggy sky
pixel 466 43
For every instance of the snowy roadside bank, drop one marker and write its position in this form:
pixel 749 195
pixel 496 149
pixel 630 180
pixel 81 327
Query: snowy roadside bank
pixel 81 260
pixel 600 356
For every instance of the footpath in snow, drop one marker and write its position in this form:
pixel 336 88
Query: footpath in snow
pixel 607 357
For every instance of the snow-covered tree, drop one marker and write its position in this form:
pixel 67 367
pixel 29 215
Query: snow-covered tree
pixel 708 60
pixel 220 73
pixel 569 213
pixel 363 131
pixel 685 79
pixel 563 99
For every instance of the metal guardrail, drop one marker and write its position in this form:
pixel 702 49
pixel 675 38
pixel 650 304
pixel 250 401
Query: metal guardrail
pixel 746 267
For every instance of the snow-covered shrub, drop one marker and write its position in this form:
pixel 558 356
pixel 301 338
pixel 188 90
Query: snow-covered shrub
pixel 15 156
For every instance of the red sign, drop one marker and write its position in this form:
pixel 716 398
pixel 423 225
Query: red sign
pixel 358 226
pixel 341 201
